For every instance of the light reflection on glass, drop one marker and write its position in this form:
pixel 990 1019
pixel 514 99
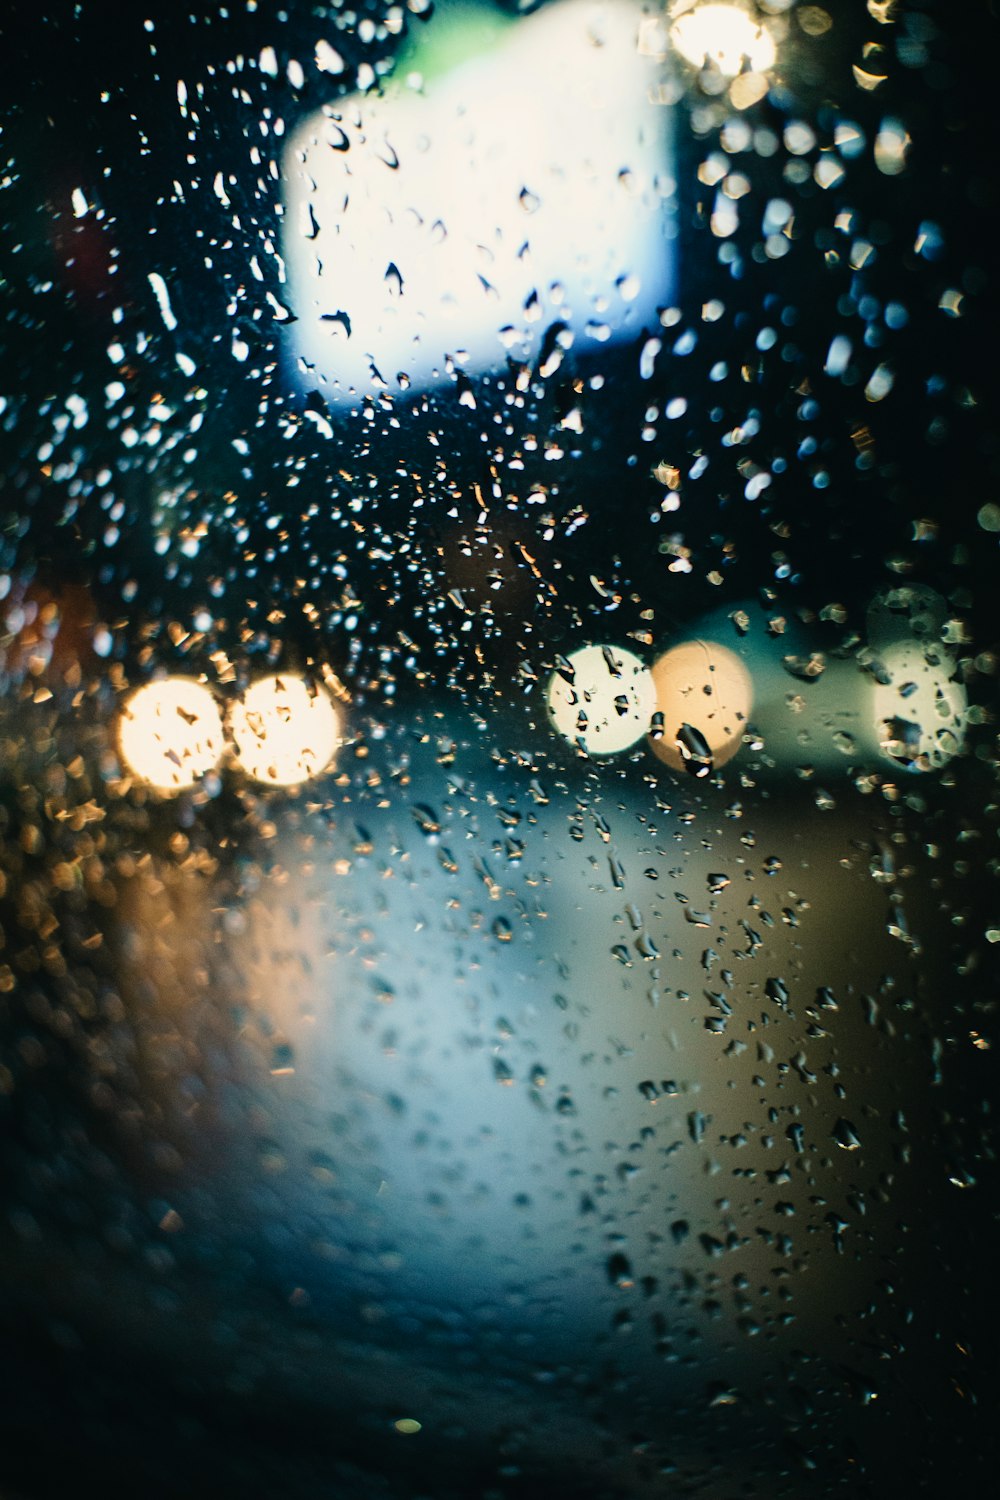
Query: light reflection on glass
pixel 510 207
pixel 920 712
pixel 600 1122
pixel 723 36
pixel 706 686
pixel 428 1064
pixel 813 707
pixel 284 732
pixel 602 699
pixel 170 733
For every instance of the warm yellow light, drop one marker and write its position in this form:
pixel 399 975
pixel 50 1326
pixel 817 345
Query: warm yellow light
pixel 284 731
pixel 707 688
pixel 170 733
pixel 601 698
pixel 722 36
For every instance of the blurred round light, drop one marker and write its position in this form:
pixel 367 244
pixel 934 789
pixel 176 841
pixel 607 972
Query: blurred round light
pixel 722 36
pixel 284 731
pixel 920 714
pixel 602 699
pixel 705 688
pixel 170 733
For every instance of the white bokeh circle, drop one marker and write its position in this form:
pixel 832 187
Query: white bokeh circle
pixel 170 733
pixel 284 731
pixel 601 698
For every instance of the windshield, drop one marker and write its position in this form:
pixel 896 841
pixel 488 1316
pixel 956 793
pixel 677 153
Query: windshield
pixel 498 753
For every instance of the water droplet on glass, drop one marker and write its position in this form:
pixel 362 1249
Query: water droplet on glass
pixel 694 749
pixel 777 990
pixel 846 1136
pixel 620 1271
pixel 426 819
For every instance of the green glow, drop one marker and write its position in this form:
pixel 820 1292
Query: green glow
pixel 458 30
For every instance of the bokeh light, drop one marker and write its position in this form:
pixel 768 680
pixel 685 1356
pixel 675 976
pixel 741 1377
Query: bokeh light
pixel 421 224
pixel 284 731
pixel 921 712
pixel 722 36
pixel 705 687
pixel 170 733
pixel 602 699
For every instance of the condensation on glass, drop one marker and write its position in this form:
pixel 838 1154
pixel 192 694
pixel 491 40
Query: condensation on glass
pixel 498 799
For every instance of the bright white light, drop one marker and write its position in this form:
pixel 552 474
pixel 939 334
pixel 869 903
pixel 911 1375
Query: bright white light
pixel 602 699
pixel 707 687
pixel 443 231
pixel 920 715
pixel 723 35
pixel 170 733
pixel 284 732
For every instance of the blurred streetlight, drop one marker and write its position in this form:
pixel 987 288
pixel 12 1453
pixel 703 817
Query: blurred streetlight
pixel 721 36
pixel 602 699
pixel 705 687
pixel 170 733
pixel 284 732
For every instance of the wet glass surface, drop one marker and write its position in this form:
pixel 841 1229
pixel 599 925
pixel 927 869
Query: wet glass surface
pixel 498 755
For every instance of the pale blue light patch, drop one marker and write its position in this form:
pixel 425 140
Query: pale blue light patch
pixel 446 229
